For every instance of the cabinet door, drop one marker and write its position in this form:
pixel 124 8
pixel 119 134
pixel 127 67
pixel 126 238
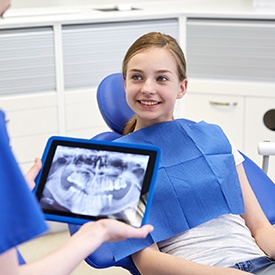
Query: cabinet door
pixel 83 118
pixel 27 60
pixel 226 111
pixel 27 71
pixel 31 120
pixel 231 49
pixel 256 130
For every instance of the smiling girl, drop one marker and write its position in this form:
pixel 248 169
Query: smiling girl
pixel 207 219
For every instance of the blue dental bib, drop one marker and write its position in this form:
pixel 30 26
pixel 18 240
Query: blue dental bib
pixel 197 180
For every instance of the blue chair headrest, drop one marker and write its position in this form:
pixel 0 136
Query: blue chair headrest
pixel 112 102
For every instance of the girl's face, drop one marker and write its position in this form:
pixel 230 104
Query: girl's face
pixel 152 86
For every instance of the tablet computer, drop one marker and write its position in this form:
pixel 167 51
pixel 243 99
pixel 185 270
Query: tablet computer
pixel 86 180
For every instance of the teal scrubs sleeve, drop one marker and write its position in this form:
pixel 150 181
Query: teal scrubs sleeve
pixel 20 215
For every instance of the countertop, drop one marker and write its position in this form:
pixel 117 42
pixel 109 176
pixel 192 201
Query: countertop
pixel 69 12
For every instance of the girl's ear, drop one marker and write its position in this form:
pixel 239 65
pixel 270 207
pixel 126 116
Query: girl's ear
pixel 183 88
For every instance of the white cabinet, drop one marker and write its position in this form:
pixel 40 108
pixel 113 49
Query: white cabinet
pixel 231 49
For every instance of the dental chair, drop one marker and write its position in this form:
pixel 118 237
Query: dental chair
pixel 116 112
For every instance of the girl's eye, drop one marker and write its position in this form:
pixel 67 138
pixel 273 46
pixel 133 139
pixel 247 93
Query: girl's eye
pixel 136 77
pixel 161 78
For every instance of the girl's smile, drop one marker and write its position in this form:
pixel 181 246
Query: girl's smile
pixel 149 103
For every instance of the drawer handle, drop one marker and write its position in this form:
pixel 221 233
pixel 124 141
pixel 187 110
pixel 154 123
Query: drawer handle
pixel 217 103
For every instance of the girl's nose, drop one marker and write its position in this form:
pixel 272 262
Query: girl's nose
pixel 148 87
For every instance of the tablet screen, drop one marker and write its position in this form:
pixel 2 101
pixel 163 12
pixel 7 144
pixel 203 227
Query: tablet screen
pixel 84 180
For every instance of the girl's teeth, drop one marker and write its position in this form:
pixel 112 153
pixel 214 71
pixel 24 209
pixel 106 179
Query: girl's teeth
pixel 148 103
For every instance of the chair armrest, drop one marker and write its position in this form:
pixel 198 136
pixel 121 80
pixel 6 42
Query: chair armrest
pixel 266 149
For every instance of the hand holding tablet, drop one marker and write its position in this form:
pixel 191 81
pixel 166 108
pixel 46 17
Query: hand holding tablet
pixel 83 180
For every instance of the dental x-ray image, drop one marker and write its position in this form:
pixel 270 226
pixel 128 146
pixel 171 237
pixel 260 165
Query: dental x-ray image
pixel 96 183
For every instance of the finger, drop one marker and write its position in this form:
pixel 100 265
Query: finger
pixel 33 172
pixel 144 230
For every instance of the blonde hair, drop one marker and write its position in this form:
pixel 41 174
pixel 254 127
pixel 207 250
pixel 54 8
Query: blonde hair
pixel 153 40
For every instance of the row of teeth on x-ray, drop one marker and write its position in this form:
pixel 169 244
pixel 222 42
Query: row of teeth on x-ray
pixel 96 185
pixel 85 204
